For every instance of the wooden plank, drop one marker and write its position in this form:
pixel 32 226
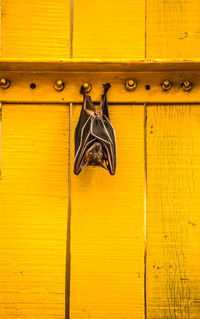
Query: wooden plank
pixel 172 29
pixel 35 28
pixel 173 220
pixel 109 29
pixel 97 65
pixel 107 227
pixel 33 211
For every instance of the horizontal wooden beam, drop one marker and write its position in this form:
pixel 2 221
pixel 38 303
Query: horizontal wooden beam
pixel 97 65
pixel 34 81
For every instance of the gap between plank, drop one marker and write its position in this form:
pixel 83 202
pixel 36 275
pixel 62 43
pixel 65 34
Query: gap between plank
pixel 71 27
pixel 145 31
pixel 145 211
pixel 0 134
pixel 68 239
pixel 0 31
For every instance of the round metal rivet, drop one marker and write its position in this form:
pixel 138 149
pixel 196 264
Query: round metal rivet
pixel 4 83
pixel 187 86
pixel 87 87
pixel 166 85
pixel 59 85
pixel 130 85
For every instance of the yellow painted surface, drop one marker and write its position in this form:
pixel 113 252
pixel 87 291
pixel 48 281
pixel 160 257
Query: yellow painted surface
pixel 35 28
pixel 101 29
pixel 20 91
pixel 172 29
pixel 109 29
pixel 173 220
pixel 33 211
pixel 107 212
pixel 107 227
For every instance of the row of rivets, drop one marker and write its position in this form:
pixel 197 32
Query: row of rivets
pixel 130 85
pixel 186 85
pixel 58 85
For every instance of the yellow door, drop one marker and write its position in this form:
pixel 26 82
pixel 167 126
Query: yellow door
pixel 99 246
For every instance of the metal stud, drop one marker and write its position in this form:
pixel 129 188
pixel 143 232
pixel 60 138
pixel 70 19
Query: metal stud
pixel 59 85
pixel 187 86
pixel 87 87
pixel 166 85
pixel 130 85
pixel 4 83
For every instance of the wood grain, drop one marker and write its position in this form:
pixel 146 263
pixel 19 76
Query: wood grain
pixel 107 227
pixel 173 220
pixel 34 29
pixel 172 29
pixel 109 29
pixel 33 211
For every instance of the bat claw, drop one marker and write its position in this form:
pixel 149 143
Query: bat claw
pixel 106 87
pixel 82 90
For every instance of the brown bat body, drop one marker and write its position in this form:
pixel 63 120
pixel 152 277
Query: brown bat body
pixel 94 155
pixel 95 143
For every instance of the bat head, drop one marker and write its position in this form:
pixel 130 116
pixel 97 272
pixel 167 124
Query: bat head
pixel 94 155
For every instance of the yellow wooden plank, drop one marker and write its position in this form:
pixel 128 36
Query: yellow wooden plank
pixel 109 29
pixel 107 227
pixel 172 29
pixel 33 211
pixel 173 220
pixel 35 28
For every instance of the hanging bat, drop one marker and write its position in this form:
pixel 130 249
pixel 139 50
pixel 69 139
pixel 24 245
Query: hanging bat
pixel 95 143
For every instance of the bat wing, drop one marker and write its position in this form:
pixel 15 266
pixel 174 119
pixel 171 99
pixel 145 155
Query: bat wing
pixel 111 147
pixel 110 132
pixel 99 130
pixel 95 127
pixel 84 138
pixel 87 111
pixel 104 132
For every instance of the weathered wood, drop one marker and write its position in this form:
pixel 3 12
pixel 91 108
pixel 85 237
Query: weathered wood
pixel 44 92
pixel 173 220
pixel 107 227
pixel 97 65
pixel 172 29
pixel 35 28
pixel 33 211
pixel 109 29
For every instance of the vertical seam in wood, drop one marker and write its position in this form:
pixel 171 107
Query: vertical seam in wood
pixel 71 27
pixel 68 239
pixel 145 211
pixel 0 135
pixel 0 30
pixel 145 32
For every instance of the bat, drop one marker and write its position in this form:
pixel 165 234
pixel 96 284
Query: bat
pixel 95 143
